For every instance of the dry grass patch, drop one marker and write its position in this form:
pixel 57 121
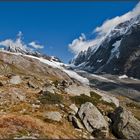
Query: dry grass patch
pixel 24 125
pixel 14 125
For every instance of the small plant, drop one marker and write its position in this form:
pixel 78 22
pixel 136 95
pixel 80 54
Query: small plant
pixel 56 82
pixel 22 133
pixel 50 98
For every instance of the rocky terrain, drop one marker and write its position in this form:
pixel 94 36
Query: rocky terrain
pixel 40 98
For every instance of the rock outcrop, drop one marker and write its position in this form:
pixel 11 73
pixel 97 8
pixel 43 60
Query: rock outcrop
pixel 125 125
pixel 93 120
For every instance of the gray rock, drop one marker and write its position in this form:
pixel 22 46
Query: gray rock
pixel 17 95
pixel 53 115
pixel 15 80
pixel 76 123
pixel 74 108
pixel 125 124
pixel 51 89
pixel 35 83
pixel 93 120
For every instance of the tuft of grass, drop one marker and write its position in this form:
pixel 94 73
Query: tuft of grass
pixel 50 98
pixel 133 105
pixel 135 109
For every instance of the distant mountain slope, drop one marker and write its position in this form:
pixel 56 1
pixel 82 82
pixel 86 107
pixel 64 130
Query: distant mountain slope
pixel 118 53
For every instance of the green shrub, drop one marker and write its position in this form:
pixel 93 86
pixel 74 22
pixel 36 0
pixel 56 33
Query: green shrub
pixel 95 95
pixel 50 98
pixel 94 99
pixel 82 99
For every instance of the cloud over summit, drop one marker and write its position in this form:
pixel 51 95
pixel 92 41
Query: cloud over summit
pixel 81 44
pixel 19 43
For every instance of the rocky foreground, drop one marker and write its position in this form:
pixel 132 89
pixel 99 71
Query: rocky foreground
pixel 40 101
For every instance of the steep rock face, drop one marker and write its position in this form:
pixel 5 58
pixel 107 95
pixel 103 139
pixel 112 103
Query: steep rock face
pixel 117 53
pixel 125 124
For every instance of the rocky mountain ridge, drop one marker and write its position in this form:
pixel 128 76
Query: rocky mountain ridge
pixel 118 53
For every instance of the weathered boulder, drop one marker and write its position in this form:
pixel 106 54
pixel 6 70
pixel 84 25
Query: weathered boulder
pixel 15 80
pixel 53 115
pixel 76 123
pixel 125 125
pixel 93 120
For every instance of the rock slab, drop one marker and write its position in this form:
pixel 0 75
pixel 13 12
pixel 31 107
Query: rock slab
pixel 93 120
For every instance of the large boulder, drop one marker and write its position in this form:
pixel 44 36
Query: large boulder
pixel 125 125
pixel 93 120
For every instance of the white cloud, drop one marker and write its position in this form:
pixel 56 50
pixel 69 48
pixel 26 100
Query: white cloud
pixel 35 45
pixel 13 44
pixel 81 44
pixel 18 43
pixel 6 43
pixel 110 23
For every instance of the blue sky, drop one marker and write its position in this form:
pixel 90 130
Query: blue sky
pixel 56 24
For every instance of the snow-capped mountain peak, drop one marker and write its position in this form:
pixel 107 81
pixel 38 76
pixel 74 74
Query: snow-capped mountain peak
pixel 116 53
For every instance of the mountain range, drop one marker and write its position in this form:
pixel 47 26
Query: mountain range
pixel 117 53
pixel 93 97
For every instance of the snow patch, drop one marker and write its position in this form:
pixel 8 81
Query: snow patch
pixel 123 76
pixel 115 50
pixel 102 78
pixel 59 65
pixel 99 61
pixel 76 76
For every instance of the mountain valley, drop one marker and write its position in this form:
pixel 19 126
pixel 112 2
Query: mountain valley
pixel 96 96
